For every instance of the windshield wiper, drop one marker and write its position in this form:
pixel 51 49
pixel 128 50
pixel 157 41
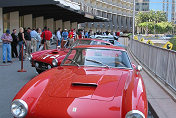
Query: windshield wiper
pixel 98 62
pixel 73 61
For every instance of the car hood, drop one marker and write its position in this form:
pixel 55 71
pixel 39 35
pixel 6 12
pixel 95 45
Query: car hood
pixel 84 82
pixel 50 55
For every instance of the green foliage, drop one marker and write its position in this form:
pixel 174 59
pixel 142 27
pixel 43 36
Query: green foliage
pixel 153 20
pixel 163 27
pixel 173 41
pixel 148 26
pixel 151 16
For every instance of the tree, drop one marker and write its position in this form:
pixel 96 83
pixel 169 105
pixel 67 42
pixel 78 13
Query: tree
pixel 149 20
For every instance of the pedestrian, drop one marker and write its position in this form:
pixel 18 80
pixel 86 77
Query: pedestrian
pixel 21 41
pixel 46 36
pixel 71 39
pixel 14 44
pixel 6 47
pixel 74 34
pixel 39 32
pixel 34 38
pixel 59 37
pixel 86 34
pixel 80 34
pixel 64 38
pixel 27 37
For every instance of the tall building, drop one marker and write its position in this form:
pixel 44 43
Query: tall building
pixel 142 5
pixel 173 15
pixel 166 7
pixel 118 12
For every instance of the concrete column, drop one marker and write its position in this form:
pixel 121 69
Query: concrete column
pixel 28 21
pixel 59 24
pixel 1 23
pixel 14 21
pixel 39 22
pixel 67 25
pixel 74 25
pixel 50 24
pixel 119 22
pixel 128 24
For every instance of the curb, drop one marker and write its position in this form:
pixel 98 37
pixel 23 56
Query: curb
pixel 170 92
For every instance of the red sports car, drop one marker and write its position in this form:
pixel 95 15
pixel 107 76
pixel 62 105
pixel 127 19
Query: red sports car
pixel 91 82
pixel 48 59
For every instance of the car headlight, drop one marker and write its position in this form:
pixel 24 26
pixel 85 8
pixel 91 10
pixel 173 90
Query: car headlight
pixel 49 67
pixel 54 62
pixel 19 108
pixel 134 114
pixel 30 57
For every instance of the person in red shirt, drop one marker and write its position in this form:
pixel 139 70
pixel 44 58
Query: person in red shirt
pixel 46 36
pixel 71 38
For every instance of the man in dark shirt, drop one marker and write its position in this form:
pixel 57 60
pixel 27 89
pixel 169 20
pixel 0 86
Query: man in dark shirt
pixel 27 37
pixel 14 44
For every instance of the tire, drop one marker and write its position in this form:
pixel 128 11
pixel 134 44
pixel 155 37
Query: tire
pixel 39 71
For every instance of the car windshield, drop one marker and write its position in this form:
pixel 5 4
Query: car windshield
pixel 88 42
pixel 97 57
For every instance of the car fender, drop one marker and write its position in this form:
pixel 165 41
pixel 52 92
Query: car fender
pixel 134 97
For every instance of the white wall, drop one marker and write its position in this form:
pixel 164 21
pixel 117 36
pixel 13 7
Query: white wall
pixel 14 21
pixel 74 25
pixel 50 24
pixel 1 23
pixel 28 21
pixel 59 24
pixel 39 22
pixel 67 25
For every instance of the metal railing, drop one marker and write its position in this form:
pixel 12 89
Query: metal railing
pixel 161 62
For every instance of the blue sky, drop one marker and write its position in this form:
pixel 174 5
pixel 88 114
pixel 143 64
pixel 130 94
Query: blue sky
pixel 159 6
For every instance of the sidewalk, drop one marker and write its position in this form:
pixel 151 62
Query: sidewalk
pixel 162 103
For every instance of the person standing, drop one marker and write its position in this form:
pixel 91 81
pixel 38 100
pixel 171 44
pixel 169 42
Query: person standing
pixel 39 32
pixel 71 38
pixel 64 37
pixel 14 44
pixel 46 36
pixel 21 41
pixel 34 38
pixel 6 47
pixel 59 37
pixel 27 37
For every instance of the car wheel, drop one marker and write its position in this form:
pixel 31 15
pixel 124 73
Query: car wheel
pixel 39 71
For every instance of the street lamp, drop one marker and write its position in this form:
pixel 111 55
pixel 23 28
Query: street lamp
pixel 134 10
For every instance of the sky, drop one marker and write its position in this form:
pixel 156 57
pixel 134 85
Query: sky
pixel 159 6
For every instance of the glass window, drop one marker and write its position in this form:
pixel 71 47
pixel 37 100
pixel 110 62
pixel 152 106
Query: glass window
pixel 97 57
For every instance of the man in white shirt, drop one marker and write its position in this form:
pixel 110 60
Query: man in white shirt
pixel 59 37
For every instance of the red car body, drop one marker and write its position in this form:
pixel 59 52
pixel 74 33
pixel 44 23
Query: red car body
pixel 44 58
pixel 118 91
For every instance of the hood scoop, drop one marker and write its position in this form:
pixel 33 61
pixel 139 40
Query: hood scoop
pixel 84 84
pixel 55 52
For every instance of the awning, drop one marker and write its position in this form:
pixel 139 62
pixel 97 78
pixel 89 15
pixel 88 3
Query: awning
pixel 50 9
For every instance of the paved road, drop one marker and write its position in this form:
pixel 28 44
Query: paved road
pixel 11 82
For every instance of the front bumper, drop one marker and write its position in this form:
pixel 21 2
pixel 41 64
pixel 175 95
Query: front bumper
pixel 40 65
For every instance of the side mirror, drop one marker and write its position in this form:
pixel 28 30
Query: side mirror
pixel 139 68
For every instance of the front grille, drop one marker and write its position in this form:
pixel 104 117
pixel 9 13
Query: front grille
pixel 41 65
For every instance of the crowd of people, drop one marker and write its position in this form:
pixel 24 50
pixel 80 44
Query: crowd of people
pixel 33 40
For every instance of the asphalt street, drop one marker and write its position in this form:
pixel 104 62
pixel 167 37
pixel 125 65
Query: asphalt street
pixel 11 82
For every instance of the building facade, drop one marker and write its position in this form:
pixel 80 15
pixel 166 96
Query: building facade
pixel 173 15
pixel 119 13
pixel 142 5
